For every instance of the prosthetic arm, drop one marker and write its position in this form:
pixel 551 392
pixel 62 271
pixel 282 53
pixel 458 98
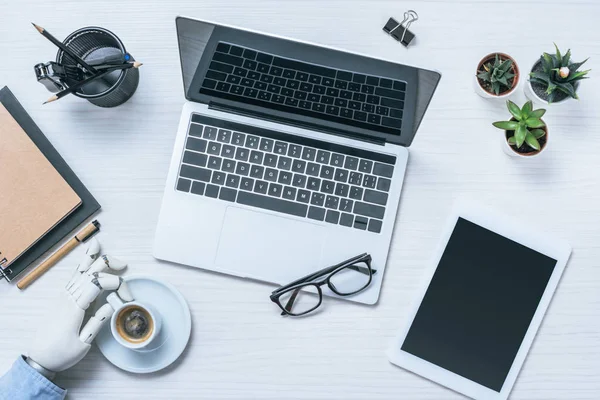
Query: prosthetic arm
pixel 61 342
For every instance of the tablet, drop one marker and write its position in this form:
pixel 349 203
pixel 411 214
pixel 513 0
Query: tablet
pixel 485 294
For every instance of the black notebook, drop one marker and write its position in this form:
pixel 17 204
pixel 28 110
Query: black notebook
pixel 88 207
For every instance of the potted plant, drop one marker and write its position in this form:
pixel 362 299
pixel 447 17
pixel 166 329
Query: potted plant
pixel 525 134
pixel 554 78
pixel 497 76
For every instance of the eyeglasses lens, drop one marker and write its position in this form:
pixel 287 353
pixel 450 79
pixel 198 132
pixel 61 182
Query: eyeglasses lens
pixel 351 279
pixel 300 300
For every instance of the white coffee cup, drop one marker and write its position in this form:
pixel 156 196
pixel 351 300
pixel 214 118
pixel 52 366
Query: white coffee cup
pixel 121 307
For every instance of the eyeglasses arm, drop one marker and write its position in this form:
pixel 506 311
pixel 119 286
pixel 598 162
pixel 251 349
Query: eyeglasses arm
pixel 362 270
pixel 325 271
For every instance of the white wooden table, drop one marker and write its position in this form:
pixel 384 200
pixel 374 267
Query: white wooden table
pixel 240 347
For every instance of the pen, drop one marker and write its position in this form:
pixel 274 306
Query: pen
pixel 82 236
pixel 64 48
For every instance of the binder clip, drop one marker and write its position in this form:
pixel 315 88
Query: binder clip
pixel 399 31
pixel 52 75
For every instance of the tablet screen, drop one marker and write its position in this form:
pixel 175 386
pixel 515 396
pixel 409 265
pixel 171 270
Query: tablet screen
pixel 479 305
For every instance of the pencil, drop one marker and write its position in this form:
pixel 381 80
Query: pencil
pixel 82 236
pixel 115 67
pixel 79 85
pixel 64 48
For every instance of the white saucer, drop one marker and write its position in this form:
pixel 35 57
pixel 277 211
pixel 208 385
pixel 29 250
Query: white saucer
pixel 173 337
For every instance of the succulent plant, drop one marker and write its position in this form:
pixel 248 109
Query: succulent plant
pixel 559 73
pixel 497 75
pixel 526 123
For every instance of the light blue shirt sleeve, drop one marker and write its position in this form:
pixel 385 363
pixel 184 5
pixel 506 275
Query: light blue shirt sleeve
pixel 22 382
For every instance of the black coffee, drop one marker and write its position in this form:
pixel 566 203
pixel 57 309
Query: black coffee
pixel 134 324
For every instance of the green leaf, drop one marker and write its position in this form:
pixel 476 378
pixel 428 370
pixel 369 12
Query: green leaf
pixel 537 80
pixel 496 88
pixel 567 88
pixel 534 123
pixel 558 55
pixel 578 79
pixel 578 75
pixel 506 125
pixel 505 66
pixel 551 88
pixel 555 61
pixel 503 80
pixel 520 134
pixel 526 110
pixel 541 76
pixel 514 110
pixel 566 58
pixel 512 141
pixel 551 97
pixel 538 133
pixel 532 141
pixel 539 113
pixel 484 76
pixel 576 66
pixel 547 62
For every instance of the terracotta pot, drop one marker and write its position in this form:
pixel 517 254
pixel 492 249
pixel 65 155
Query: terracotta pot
pixel 489 95
pixel 512 152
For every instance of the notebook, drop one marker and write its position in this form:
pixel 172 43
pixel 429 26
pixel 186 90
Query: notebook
pixel 34 197
pixel 68 226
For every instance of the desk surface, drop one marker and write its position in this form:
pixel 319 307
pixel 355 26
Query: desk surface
pixel 241 348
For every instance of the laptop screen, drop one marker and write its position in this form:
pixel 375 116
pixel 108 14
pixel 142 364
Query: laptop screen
pixel 302 84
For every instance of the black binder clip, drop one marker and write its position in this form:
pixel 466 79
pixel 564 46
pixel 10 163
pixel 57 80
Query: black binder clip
pixel 399 31
pixel 52 75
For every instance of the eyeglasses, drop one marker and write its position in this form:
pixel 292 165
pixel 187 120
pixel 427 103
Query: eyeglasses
pixel 344 279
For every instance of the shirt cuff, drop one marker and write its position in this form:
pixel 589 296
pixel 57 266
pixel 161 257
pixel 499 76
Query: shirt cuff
pixel 37 380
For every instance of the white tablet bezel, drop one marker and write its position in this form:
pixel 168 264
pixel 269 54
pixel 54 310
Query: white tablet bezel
pixel 500 224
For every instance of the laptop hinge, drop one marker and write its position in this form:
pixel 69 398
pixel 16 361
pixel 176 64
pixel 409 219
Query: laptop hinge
pixel 289 121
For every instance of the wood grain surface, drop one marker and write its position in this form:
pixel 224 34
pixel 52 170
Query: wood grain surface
pixel 240 347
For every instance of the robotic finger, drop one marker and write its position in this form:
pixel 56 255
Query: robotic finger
pixel 89 290
pixel 91 254
pixel 104 262
pixel 107 262
pixel 95 324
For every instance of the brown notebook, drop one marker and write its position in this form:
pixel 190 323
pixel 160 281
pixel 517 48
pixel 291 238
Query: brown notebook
pixel 34 197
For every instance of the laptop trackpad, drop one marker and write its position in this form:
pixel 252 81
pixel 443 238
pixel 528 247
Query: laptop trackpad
pixel 268 247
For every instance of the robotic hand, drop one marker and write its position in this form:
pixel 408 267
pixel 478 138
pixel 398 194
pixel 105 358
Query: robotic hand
pixel 61 342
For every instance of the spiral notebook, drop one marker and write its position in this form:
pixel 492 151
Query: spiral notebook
pixel 41 199
pixel 34 198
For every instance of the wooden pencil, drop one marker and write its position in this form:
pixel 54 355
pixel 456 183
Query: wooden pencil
pixel 79 85
pixel 64 48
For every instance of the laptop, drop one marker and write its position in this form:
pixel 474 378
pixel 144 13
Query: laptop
pixel 289 156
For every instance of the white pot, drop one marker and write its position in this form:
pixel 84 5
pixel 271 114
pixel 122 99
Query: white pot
pixel 530 94
pixel 487 95
pixel 510 151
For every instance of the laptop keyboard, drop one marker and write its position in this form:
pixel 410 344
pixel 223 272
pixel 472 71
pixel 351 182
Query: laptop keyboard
pixel 285 173
pixel 266 80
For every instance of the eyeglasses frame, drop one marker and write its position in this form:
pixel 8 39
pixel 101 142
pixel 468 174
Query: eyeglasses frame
pixel 327 273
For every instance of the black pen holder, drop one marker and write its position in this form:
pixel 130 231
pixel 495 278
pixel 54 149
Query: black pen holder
pixel 112 89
